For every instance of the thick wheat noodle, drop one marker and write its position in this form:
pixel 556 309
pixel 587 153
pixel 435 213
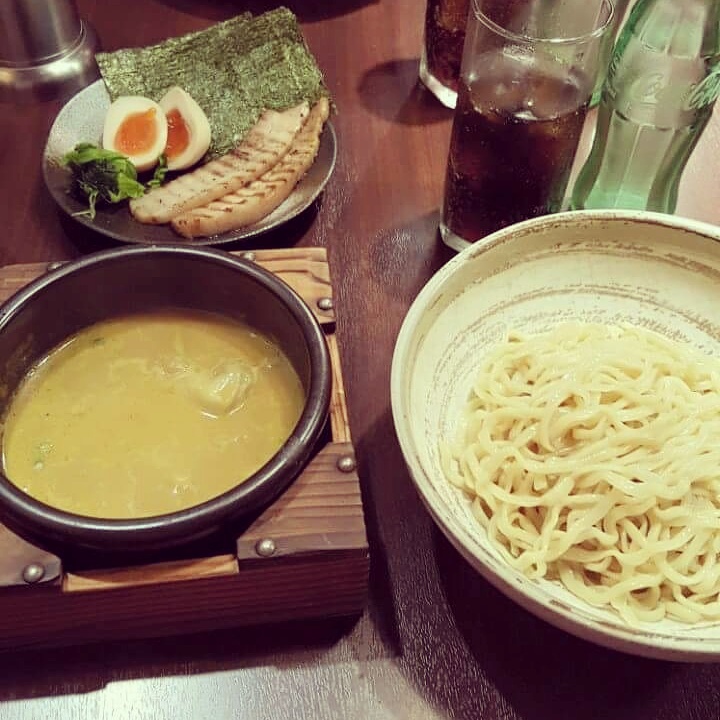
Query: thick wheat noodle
pixel 591 454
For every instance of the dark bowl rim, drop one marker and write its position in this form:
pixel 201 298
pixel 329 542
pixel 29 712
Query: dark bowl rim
pixel 159 531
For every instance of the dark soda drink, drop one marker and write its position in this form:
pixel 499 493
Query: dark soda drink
pixel 444 36
pixel 514 137
pixel 445 29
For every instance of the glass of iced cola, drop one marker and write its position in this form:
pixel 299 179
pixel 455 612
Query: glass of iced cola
pixel 527 76
pixel 442 48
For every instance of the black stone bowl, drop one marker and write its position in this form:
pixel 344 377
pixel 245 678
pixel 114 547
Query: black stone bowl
pixel 132 279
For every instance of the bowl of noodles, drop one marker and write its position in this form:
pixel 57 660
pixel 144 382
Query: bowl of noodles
pixel 556 395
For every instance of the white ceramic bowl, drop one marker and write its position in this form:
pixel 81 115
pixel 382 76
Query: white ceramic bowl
pixel 658 271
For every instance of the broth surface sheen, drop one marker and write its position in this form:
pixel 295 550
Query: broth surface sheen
pixel 148 414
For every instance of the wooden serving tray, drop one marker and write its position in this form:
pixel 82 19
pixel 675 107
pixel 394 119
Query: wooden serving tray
pixel 306 556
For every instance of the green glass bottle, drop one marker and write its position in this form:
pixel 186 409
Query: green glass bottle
pixel 658 96
pixel 607 44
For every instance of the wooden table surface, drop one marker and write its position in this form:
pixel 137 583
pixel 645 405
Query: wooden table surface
pixel 436 641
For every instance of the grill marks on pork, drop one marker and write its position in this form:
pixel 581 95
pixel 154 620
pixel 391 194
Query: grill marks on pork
pixel 261 196
pixel 265 144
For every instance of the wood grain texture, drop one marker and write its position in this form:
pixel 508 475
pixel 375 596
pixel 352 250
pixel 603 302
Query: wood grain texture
pixel 93 608
pixel 339 423
pixel 305 270
pixel 154 574
pixel 321 511
pixel 436 641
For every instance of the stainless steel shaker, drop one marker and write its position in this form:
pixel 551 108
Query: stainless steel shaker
pixel 46 50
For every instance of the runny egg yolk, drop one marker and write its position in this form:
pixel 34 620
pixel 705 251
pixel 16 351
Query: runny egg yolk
pixel 178 134
pixel 188 137
pixel 137 133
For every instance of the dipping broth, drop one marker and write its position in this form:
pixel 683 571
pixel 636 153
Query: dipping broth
pixel 150 414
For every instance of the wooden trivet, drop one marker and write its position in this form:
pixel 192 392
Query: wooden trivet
pixel 306 556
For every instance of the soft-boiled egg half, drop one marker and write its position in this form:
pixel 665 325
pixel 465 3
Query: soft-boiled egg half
pixel 143 130
pixel 137 128
pixel 188 129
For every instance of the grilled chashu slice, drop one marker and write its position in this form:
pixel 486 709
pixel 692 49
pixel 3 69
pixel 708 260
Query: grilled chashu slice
pixel 260 197
pixel 266 142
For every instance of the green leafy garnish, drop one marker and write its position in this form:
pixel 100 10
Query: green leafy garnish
pixel 161 170
pixel 105 175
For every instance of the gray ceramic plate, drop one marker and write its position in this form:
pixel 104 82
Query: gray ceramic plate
pixel 81 120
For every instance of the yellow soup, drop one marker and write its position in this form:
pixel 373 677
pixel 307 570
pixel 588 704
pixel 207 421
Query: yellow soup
pixel 149 414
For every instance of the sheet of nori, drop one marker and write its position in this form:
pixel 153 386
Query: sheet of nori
pixel 234 70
